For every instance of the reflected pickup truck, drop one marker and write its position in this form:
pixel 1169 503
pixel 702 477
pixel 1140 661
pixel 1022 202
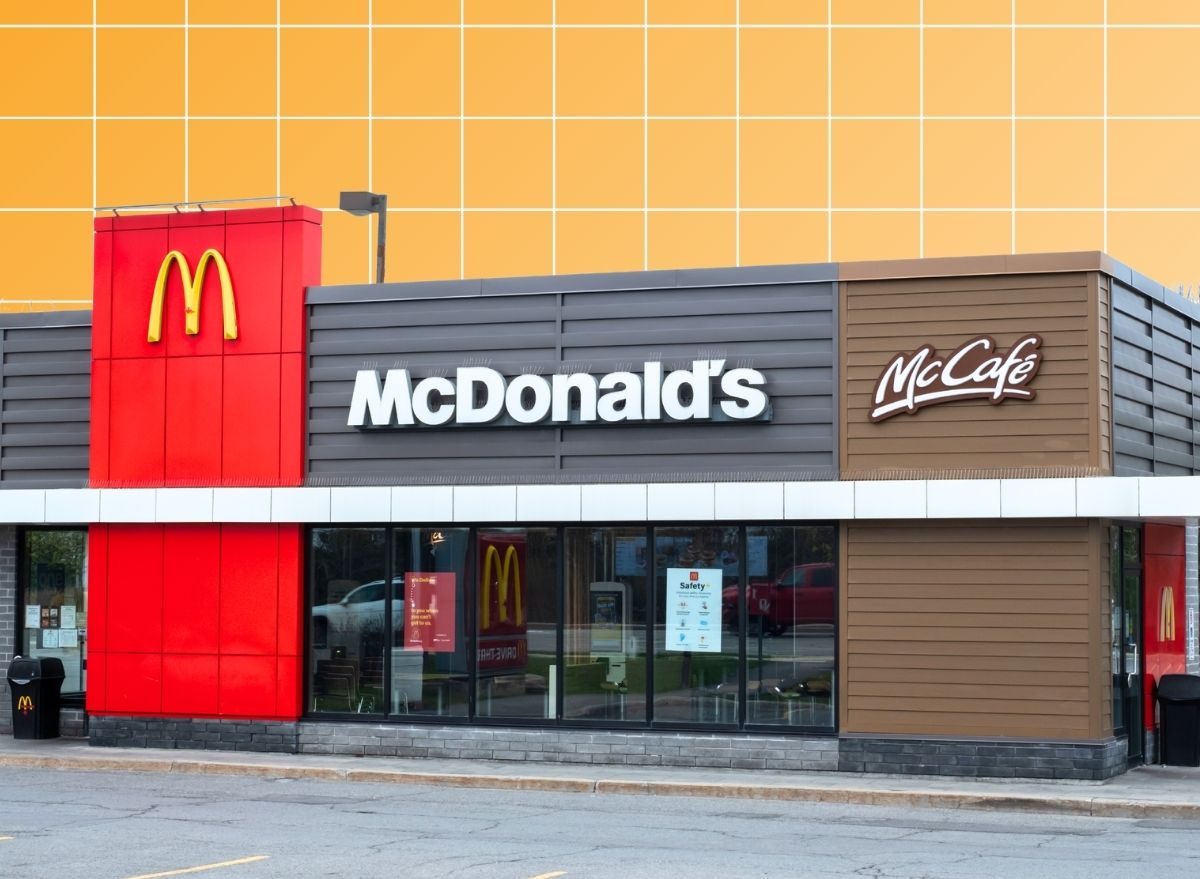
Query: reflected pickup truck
pixel 800 595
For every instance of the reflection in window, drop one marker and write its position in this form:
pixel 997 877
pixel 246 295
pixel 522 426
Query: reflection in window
pixel 53 598
pixel 607 570
pixel 347 625
pixel 429 654
pixel 791 605
pixel 516 622
pixel 695 652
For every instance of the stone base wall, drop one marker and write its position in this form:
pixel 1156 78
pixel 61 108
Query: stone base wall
pixel 984 759
pixel 268 736
pixel 8 619
pixel 633 748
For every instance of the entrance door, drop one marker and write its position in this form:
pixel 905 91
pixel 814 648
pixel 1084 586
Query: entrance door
pixel 1126 606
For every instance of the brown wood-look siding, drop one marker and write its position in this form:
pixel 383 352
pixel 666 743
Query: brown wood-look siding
pixel 1103 311
pixel 972 628
pixel 1055 434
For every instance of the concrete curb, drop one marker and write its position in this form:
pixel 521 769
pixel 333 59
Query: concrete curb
pixel 1061 805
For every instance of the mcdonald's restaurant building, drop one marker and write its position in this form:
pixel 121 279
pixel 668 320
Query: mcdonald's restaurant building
pixel 927 516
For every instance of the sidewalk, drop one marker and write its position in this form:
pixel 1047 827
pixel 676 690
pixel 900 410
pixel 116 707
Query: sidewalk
pixel 1146 792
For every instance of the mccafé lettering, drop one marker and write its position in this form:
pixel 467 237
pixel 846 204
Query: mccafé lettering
pixel 972 371
pixel 478 395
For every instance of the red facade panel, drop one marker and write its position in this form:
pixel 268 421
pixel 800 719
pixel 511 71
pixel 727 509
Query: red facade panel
pixel 192 590
pixel 250 410
pixel 1163 608
pixel 247 686
pixel 134 683
pixel 135 589
pixel 249 589
pixel 257 251
pixel 137 422
pixel 189 685
pixel 199 620
pixel 193 420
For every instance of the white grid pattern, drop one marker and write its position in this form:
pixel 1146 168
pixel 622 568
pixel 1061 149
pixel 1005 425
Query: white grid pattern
pixel 737 209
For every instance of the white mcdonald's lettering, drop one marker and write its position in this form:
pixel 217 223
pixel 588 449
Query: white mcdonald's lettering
pixel 971 371
pixel 478 395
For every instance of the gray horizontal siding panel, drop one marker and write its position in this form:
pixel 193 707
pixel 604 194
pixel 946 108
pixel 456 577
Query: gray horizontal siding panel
pixel 770 320
pixel 1156 376
pixel 45 386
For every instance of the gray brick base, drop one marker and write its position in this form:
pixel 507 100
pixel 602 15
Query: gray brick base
pixel 983 759
pixel 632 748
pixel 203 735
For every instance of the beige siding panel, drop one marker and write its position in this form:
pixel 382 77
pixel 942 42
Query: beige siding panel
pixel 981 628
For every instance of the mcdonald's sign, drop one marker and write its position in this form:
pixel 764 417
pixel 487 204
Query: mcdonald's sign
pixel 1166 615
pixel 192 287
pixel 497 576
pixel 25 704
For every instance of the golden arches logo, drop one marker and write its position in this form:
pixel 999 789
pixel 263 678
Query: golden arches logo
pixel 510 567
pixel 25 704
pixel 192 287
pixel 1166 615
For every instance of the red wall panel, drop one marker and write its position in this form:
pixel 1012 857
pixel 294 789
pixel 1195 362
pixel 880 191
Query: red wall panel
pixel 247 686
pixel 134 683
pixel 199 620
pixel 135 589
pixel 251 402
pixel 191 598
pixel 193 421
pixel 1163 584
pixel 136 437
pixel 189 685
pixel 257 250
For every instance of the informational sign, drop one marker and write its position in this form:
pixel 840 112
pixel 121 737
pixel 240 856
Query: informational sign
pixel 50 638
pixel 693 597
pixel 429 611
pixel 67 619
pixel 68 637
pixel 33 616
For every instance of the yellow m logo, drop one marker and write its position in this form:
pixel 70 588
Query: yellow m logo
pixel 25 704
pixel 191 294
pixel 511 566
pixel 1166 615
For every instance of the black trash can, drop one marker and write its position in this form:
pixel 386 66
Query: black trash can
pixel 35 684
pixel 1179 719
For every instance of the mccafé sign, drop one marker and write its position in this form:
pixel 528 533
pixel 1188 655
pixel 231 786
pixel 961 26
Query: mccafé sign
pixel 975 370
pixel 478 395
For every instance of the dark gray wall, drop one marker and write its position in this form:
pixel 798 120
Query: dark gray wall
pixel 45 384
pixel 778 319
pixel 1156 381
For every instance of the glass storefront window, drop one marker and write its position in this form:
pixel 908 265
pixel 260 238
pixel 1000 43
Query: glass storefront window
pixel 348 629
pixel 791 603
pixel 717 626
pixel 696 573
pixel 54 601
pixel 606 572
pixel 429 670
pixel 516 622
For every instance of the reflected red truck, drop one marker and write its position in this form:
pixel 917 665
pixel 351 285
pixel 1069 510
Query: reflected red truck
pixel 800 595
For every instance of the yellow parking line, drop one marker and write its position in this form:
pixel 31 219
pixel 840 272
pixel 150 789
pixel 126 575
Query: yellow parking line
pixel 249 860
pixel 549 875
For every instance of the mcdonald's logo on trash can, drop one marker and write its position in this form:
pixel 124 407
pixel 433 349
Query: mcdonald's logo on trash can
pixel 498 575
pixel 25 704
pixel 192 286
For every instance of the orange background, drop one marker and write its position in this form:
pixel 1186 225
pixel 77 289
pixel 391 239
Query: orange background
pixel 541 136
